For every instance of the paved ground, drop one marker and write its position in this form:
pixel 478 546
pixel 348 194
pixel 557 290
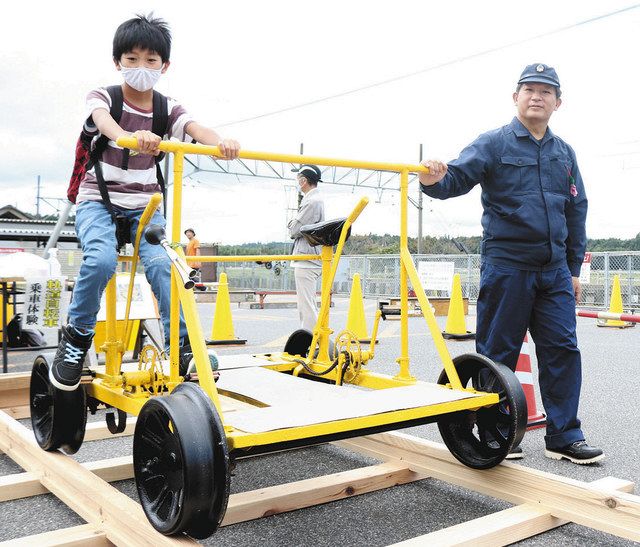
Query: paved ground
pixel 609 412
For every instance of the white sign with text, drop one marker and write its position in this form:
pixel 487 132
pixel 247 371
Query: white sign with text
pixel 45 303
pixel 436 276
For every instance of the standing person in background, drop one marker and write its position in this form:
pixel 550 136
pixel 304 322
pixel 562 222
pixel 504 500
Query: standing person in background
pixel 193 249
pixel 534 239
pixel 307 272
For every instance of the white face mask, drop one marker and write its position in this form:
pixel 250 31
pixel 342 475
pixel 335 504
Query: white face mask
pixel 141 78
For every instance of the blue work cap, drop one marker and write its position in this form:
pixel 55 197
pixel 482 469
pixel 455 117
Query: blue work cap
pixel 540 73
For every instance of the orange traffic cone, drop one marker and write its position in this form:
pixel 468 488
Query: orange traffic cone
pixel 222 332
pixel 615 306
pixel 356 321
pixel 456 328
pixel 523 372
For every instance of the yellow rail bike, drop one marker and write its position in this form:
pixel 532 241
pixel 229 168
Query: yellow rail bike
pixel 190 429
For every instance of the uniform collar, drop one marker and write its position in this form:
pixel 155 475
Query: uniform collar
pixel 521 131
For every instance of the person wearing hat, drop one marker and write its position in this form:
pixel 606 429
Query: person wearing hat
pixel 534 239
pixel 193 249
pixel 307 272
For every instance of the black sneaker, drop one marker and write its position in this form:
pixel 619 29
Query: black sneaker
pixel 66 370
pixel 579 452
pixel 515 454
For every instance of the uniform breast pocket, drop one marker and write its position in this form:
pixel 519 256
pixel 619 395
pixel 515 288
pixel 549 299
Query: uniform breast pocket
pixel 517 174
pixel 561 177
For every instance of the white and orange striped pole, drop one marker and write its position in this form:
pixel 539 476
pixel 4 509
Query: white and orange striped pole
pixel 535 419
pixel 609 316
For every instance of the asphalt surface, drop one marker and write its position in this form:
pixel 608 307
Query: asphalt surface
pixel 609 412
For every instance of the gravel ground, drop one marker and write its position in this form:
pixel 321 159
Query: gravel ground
pixel 609 412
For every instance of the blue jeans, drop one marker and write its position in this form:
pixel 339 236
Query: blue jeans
pixel 510 301
pixel 97 234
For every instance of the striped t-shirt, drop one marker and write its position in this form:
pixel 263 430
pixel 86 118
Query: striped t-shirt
pixel 130 188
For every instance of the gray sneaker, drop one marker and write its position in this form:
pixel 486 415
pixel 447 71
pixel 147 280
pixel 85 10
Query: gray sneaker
pixel 66 370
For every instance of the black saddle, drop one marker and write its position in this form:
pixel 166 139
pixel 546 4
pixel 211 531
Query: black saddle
pixel 326 232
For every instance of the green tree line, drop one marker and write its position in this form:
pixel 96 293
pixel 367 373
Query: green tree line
pixel 373 244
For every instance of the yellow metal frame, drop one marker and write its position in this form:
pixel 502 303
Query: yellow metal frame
pixel 108 387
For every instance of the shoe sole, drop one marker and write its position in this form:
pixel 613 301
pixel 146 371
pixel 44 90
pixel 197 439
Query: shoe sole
pixel 559 456
pixel 58 385
pixel 514 456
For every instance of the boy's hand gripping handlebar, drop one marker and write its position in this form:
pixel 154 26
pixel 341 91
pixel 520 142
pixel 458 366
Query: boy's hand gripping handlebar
pixel 155 235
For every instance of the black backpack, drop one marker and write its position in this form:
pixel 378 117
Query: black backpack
pixel 88 156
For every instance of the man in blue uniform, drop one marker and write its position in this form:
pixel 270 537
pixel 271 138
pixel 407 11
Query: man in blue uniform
pixel 534 239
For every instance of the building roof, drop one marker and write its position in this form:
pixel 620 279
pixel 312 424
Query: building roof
pixel 30 229
pixel 11 212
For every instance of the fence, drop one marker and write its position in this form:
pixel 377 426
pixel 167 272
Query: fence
pixel 380 276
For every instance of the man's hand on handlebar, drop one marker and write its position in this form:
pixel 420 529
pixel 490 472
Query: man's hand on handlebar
pixel 437 171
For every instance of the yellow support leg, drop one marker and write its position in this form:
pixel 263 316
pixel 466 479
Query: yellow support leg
pixel 403 360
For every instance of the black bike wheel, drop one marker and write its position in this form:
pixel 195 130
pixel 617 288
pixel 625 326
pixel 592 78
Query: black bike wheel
pixel 181 463
pixel 299 343
pixel 482 438
pixel 58 418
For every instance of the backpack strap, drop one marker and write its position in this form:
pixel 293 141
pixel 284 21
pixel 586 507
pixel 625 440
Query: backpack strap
pixel 160 126
pixel 117 99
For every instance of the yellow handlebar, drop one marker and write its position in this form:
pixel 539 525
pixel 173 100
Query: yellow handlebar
pixel 128 142
pixel 172 146
pixel 152 207
pixel 189 148
pixel 357 210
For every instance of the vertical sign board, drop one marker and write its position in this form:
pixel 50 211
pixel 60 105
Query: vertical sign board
pixel 143 305
pixel 436 276
pixel 45 303
pixel 585 269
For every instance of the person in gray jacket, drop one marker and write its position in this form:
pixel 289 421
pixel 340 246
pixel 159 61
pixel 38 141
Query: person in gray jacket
pixel 307 272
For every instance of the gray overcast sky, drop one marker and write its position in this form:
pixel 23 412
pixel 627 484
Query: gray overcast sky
pixel 233 61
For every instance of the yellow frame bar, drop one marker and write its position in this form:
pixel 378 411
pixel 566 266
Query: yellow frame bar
pixel 239 439
pixel 321 332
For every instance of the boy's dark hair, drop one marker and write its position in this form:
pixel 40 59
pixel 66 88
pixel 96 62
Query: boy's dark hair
pixel 146 32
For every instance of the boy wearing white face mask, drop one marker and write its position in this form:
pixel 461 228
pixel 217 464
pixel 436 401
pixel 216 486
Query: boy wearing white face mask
pixel 141 50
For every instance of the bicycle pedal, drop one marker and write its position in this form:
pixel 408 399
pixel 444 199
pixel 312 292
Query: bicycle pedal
pixel 87 376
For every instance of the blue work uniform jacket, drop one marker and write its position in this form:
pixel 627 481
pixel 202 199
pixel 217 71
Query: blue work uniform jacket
pixel 533 198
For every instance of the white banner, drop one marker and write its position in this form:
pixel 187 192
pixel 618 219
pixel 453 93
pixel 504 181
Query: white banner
pixel 436 276
pixel 45 303
pixel 143 304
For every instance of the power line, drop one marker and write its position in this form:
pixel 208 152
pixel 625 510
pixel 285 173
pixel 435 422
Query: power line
pixel 433 67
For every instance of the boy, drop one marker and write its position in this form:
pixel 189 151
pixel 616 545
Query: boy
pixel 141 50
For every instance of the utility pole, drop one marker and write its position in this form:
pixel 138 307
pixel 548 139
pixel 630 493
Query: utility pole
pixel 420 210
pixel 38 199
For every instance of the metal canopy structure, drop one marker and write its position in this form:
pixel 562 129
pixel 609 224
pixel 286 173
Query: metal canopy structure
pixel 358 178
pixel 377 180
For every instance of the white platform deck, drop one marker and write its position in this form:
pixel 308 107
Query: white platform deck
pixel 294 402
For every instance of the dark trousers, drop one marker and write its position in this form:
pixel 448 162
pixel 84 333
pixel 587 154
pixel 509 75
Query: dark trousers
pixel 510 301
